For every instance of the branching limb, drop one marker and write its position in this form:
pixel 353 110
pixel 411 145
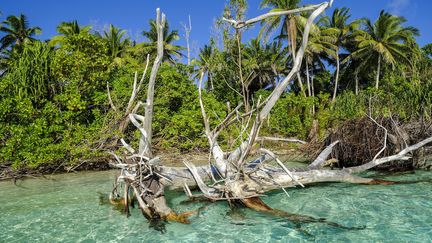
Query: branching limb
pixel 280 88
pixel 241 24
pixel 402 155
pixel 251 138
pixel 217 152
pixel 385 138
pixel 136 87
pixel 281 165
pixel 226 121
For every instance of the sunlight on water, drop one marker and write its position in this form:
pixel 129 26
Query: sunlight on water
pixel 67 209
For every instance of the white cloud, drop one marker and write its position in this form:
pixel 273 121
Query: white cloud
pixel 398 6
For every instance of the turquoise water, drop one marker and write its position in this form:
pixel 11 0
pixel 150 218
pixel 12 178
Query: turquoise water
pixel 67 209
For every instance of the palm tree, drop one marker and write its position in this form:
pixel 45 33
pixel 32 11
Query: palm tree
pixel 67 29
pixel 71 28
pixel 204 64
pixel 384 42
pixel 427 50
pixel 287 24
pixel 341 29
pixel 425 62
pixel 17 31
pixel 170 51
pixel 320 47
pixel 264 63
pixel 117 41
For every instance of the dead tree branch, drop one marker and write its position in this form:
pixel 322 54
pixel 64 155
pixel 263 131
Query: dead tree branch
pixel 402 155
pixel 276 139
pixel 319 161
pixel 242 24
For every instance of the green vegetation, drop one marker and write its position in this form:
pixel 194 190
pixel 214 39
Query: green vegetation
pixel 54 107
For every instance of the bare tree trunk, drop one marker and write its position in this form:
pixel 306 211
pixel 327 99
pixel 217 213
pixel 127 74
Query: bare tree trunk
pixel 140 170
pixel 378 73
pixel 187 30
pixel 272 178
pixel 188 46
pixel 337 76
pixel 148 118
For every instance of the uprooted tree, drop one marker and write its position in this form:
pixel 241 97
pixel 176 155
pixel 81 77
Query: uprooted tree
pixel 240 176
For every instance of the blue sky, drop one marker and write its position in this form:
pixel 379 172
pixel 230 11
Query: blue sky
pixel 133 15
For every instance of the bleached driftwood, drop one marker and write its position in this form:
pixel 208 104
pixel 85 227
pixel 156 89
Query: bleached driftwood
pixel 237 181
pixel 139 170
pixel 235 177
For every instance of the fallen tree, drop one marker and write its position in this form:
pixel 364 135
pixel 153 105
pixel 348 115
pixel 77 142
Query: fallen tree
pixel 230 176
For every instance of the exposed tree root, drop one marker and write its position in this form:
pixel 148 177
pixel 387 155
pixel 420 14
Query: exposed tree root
pixel 361 139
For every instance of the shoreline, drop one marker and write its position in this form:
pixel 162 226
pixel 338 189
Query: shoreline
pixel 101 164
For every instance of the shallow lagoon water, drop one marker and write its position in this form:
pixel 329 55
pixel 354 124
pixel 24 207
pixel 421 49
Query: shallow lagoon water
pixel 66 208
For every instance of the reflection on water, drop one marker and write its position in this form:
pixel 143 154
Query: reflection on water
pixel 66 208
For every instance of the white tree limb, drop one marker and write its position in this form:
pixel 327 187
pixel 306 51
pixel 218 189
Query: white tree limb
pixel 281 165
pixel 400 156
pixel 317 163
pixel 160 24
pixel 240 24
pixel 385 138
pixel 110 99
pixel 127 146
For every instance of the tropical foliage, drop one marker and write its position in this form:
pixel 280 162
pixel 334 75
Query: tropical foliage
pixel 116 40
pixel 54 107
pixel 171 51
pixel 385 42
pixel 16 31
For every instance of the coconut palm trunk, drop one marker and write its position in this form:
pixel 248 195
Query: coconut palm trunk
pixel 308 79
pixel 337 75
pixel 378 72
pixel 313 90
pixel 291 37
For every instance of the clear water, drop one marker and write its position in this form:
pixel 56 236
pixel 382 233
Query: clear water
pixel 67 209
